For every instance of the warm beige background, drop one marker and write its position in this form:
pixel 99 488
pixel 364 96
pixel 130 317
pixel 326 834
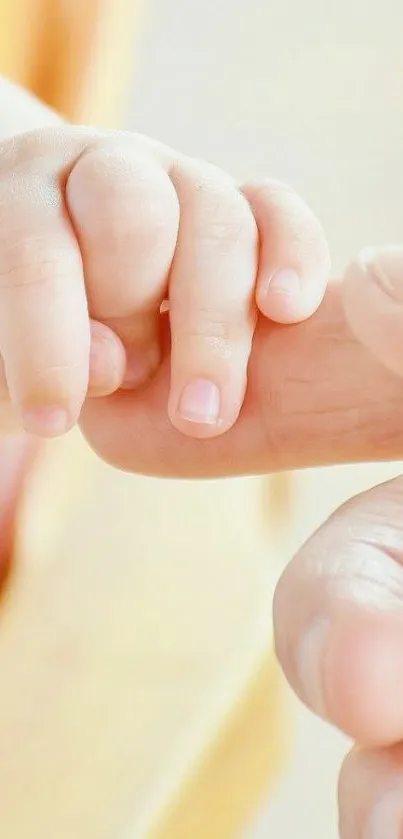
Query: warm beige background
pixel 310 92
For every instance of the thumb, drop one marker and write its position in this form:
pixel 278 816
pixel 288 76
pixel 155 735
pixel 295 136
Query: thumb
pixel 373 303
pixel 338 618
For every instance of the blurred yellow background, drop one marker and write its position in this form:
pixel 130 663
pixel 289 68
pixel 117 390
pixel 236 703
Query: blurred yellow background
pixel 171 723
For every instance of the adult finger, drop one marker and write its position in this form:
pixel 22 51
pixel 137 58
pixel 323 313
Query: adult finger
pixel 315 396
pixel 371 794
pixel 373 300
pixel 339 617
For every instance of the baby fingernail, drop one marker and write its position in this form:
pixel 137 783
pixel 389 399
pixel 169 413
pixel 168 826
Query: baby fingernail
pixel 386 820
pixel 310 665
pixel 51 421
pixel 141 363
pixel 285 281
pixel 200 402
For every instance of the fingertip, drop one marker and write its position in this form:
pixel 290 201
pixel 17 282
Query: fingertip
pixel 46 421
pixel 197 411
pixel 351 674
pixel 107 361
pixel 364 679
pixel 338 619
pixel 370 793
pixel 142 362
pixel 284 299
pixel 294 264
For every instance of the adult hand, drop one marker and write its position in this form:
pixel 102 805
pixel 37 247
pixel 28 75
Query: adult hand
pixel 315 396
pixel 339 605
pixel 320 393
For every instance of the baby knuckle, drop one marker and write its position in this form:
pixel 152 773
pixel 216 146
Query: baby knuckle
pixel 217 328
pixel 211 198
pixel 229 222
pixel 30 262
pixel 126 200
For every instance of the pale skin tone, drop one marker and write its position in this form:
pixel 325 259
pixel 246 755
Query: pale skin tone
pixel 316 394
pixel 97 232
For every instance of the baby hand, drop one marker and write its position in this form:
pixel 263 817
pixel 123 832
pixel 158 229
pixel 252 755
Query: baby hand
pixel 97 231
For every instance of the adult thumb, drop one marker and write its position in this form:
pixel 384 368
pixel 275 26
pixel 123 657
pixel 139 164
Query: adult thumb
pixel 373 302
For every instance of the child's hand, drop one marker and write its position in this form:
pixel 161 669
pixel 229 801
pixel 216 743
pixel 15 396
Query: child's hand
pixel 96 231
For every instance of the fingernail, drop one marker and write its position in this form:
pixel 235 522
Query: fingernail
pixel 141 363
pixel 200 402
pixel 286 281
pixel 310 664
pixel 46 422
pixel 386 820
pixel 385 265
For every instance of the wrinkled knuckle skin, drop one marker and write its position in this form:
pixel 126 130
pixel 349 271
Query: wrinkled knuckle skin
pixel 229 222
pixel 24 149
pixel 31 262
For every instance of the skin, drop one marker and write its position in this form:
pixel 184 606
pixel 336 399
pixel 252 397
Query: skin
pixel 324 391
pixel 97 232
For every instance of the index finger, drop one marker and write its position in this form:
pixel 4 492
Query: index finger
pixel 315 396
pixel 373 300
